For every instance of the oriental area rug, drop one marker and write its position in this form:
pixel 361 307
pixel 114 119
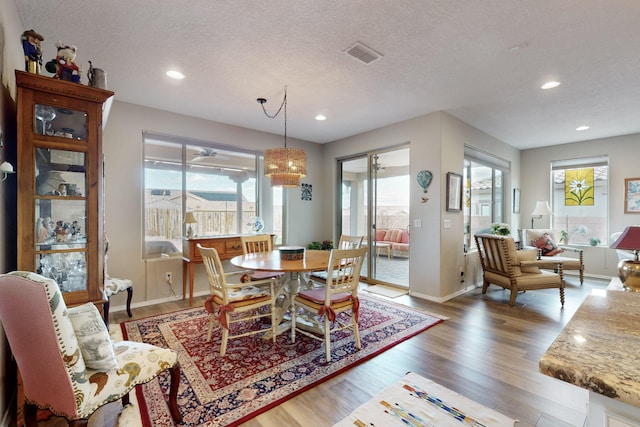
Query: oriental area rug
pixel 256 375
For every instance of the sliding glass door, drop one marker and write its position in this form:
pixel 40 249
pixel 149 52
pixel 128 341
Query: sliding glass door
pixel 374 202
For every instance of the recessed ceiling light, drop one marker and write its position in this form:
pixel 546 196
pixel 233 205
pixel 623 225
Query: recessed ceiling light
pixel 550 85
pixel 582 128
pixel 175 74
pixel 321 117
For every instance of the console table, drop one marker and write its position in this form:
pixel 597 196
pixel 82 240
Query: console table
pixel 227 247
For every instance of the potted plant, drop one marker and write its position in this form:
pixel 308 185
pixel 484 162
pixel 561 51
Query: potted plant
pixel 500 229
pixel 594 241
pixel 315 246
pixel 564 237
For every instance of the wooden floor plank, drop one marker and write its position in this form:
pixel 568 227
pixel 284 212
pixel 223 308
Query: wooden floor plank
pixel 486 350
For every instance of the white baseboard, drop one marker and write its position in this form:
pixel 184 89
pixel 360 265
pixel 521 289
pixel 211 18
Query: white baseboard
pixel 445 298
pixel 153 302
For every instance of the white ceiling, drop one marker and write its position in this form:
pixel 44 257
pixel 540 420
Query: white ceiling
pixel 450 55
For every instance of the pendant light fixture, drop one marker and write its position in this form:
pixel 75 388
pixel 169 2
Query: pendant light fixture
pixel 285 166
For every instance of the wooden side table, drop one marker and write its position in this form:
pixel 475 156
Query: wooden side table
pixel 381 245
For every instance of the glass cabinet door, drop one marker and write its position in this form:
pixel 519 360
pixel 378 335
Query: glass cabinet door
pixel 62 122
pixel 60 217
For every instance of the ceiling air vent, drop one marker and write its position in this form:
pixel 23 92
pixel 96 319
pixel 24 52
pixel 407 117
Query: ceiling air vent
pixel 363 53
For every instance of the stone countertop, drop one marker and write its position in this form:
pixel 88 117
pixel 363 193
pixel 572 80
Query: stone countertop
pixel 599 348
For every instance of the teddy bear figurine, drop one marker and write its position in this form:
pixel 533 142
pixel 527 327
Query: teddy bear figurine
pixel 64 66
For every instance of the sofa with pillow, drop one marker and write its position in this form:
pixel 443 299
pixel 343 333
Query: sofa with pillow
pixel 546 241
pixel 397 238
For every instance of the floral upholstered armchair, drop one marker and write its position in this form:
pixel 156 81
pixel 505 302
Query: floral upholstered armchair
pixel 66 359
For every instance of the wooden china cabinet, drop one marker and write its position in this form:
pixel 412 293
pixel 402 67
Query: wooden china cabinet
pixel 60 184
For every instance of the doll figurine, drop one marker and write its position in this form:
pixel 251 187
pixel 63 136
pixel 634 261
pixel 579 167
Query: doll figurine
pixel 32 51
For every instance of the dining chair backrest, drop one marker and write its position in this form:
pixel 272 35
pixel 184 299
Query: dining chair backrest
pixel 350 242
pixel 215 272
pixel 256 243
pixel 343 271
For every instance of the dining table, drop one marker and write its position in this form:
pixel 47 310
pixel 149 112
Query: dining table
pixel 296 275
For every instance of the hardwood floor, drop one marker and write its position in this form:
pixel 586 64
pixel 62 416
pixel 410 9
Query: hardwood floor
pixel 486 351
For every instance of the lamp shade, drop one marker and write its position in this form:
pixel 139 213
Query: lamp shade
pixel 189 218
pixel 629 239
pixel 6 167
pixel 542 208
pixel 285 166
pixel 629 270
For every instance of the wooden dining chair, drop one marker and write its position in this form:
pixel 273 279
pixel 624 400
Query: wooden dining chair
pixel 231 303
pixel 256 244
pixel 335 306
pixel 346 242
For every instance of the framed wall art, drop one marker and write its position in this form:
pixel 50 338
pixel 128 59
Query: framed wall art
pixel 632 195
pixel 306 192
pixel 454 192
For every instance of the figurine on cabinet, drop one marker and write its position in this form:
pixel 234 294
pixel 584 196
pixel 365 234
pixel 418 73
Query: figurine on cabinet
pixel 32 51
pixel 45 229
pixel 64 66
pixel 63 230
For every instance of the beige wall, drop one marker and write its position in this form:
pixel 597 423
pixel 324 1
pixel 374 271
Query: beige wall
pixel 124 192
pixel 623 163
pixel 437 144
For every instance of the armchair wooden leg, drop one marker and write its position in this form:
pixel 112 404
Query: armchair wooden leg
pixel 125 400
pixel 485 286
pixel 513 296
pixel 30 415
pixel 129 296
pixel 562 297
pixel 173 394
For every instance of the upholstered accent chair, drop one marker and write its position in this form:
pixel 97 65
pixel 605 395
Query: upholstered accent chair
pixel 232 303
pixel 257 243
pixel 346 242
pixel 551 251
pixel 322 307
pixel 66 359
pixel 514 270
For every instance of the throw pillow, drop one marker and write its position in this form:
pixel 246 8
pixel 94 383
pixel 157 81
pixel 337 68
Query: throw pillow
pixel 546 245
pixel 93 337
pixel 528 255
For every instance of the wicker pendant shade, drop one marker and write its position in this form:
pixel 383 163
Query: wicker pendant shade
pixel 285 166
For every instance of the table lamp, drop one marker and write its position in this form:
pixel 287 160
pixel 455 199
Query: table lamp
pixel 629 269
pixel 542 208
pixel 189 219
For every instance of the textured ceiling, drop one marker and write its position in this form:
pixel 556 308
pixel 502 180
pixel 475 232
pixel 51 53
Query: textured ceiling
pixel 450 55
